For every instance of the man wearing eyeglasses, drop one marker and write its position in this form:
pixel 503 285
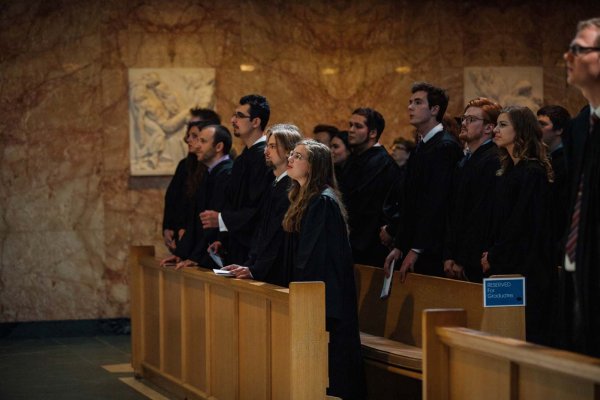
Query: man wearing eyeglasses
pixel 249 180
pixel 472 193
pixel 581 259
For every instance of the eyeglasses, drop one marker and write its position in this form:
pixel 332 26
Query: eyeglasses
pixel 240 115
pixel 469 119
pixel 577 50
pixel 295 155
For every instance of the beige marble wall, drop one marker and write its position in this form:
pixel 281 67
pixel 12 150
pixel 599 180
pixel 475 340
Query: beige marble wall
pixel 69 210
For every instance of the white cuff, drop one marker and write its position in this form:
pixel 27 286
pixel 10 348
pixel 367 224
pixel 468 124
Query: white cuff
pixel 222 227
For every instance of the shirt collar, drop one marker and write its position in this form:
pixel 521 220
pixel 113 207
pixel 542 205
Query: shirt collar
pixel 432 132
pixel 217 162
pixel 263 138
pixel 280 177
pixel 595 110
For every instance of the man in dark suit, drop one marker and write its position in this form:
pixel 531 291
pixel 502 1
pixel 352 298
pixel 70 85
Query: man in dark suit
pixel 582 244
pixel 265 262
pixel 211 145
pixel 472 191
pixel 366 179
pixel 427 187
pixel 250 179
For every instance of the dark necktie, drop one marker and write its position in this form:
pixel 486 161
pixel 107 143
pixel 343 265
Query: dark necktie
pixel 571 246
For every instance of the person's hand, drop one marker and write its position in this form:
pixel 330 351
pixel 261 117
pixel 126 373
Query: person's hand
pixel 180 233
pixel 169 261
pixel 485 264
pixel 185 264
pixel 210 219
pixel 239 271
pixel 395 254
pixel 408 264
pixel 385 237
pixel 448 270
pixel 168 238
pixel 215 246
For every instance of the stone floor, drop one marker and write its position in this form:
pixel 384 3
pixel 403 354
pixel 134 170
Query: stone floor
pixel 86 367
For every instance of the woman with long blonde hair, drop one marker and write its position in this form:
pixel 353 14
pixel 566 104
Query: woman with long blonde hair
pixel 521 234
pixel 317 248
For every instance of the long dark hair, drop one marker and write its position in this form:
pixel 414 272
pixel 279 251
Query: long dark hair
pixel 320 177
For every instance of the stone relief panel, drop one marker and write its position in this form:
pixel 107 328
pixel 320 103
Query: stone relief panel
pixel 159 104
pixel 522 86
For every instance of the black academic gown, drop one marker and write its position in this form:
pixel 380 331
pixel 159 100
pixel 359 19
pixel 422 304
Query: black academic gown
pixel 470 210
pixel 583 156
pixel 266 257
pixel 426 196
pixel 521 240
pixel 250 179
pixel 210 196
pixel 560 193
pixel 365 181
pixel 179 205
pixel 321 252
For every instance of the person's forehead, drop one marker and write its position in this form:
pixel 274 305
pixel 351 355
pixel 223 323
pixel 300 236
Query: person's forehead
pixel 243 108
pixel 475 111
pixel 587 36
pixel 419 94
pixel 207 132
pixel 272 139
pixel 358 118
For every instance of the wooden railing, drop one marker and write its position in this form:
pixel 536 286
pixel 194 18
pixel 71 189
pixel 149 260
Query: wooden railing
pixel 203 336
pixel 462 363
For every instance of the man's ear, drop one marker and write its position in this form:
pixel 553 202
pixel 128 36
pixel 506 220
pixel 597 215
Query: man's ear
pixel 435 110
pixel 219 147
pixel 256 122
pixel 373 134
pixel 559 132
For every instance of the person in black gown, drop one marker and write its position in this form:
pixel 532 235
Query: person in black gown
pixel 520 240
pixel 473 185
pixel 265 262
pixel 211 145
pixel 179 197
pixel 317 248
pixel 249 181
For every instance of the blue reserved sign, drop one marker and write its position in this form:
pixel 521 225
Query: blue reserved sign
pixel 504 292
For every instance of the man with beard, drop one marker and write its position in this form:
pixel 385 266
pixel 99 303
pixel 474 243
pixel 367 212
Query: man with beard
pixel 471 200
pixel 211 144
pixel 367 177
pixel 265 262
pixel 250 179
pixel 179 197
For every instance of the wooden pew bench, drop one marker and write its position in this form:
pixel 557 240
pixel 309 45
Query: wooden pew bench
pixel 391 331
pixel 203 336
pixel 462 363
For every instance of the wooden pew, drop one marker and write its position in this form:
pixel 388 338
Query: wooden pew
pixel 391 332
pixel 203 336
pixel 462 363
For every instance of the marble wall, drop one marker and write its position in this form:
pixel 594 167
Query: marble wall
pixel 69 209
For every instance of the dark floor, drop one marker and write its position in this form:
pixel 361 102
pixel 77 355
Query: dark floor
pixel 67 368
